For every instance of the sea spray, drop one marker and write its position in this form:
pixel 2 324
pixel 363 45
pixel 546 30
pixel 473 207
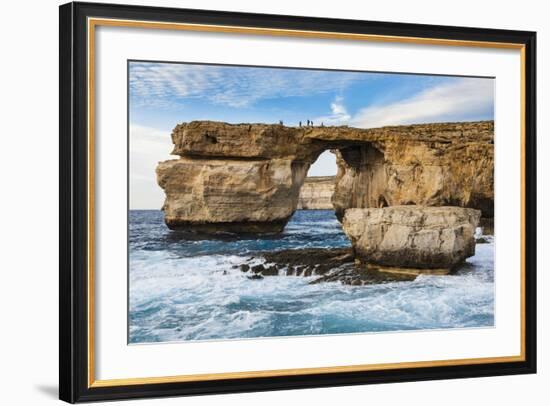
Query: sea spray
pixel 185 287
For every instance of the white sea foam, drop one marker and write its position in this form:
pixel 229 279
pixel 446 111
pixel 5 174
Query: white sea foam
pixel 175 296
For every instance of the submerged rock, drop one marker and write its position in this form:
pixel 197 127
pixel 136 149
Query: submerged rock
pixel 357 275
pixel 298 262
pixel 410 239
pixel 483 240
pixel 257 268
pixel 309 261
pixel 327 264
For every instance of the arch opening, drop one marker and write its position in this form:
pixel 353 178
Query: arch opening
pixel 318 187
pixel 354 173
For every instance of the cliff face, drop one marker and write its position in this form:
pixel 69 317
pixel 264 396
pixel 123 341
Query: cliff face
pixel 430 164
pixel 247 177
pixel 316 193
pixel 229 195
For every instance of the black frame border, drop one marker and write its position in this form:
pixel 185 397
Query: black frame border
pixel 73 197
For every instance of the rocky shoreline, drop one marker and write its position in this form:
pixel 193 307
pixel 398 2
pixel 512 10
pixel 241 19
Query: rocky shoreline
pixel 322 264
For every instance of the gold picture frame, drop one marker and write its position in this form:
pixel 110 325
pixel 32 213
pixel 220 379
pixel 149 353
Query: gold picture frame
pixel 78 27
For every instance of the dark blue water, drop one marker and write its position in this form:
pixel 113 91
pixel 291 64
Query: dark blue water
pixel 307 229
pixel 188 289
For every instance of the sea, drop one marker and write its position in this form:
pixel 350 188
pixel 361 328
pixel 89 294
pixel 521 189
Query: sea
pixel 184 288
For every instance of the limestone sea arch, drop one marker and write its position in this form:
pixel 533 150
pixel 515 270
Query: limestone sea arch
pixel 244 178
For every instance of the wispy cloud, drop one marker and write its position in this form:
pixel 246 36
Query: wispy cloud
pixel 339 114
pixel 460 100
pixel 165 83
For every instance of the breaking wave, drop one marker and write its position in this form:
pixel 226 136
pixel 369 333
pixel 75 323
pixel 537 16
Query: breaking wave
pixel 182 289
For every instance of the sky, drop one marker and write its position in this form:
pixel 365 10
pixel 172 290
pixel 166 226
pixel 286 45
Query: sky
pixel 162 95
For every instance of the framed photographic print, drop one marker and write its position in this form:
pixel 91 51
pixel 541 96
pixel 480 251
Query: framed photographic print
pixel 256 202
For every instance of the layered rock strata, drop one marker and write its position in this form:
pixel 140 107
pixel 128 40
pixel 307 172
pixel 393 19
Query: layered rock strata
pixel 237 196
pixel 412 238
pixel 316 193
pixel 247 177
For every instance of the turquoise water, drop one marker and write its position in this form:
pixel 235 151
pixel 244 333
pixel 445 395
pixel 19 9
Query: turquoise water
pixel 187 289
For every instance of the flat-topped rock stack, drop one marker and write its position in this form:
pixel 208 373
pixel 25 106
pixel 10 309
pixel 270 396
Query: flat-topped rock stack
pixel 412 238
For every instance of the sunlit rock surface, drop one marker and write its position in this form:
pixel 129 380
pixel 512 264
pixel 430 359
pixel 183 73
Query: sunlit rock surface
pixel 316 193
pixel 215 195
pixel 247 177
pixel 415 237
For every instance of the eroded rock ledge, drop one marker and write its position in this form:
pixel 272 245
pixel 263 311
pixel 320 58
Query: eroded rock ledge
pixel 320 264
pixel 247 177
